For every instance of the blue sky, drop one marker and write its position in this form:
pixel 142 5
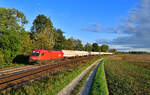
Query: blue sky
pixel 77 18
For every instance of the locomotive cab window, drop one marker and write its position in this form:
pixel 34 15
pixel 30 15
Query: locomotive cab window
pixel 35 53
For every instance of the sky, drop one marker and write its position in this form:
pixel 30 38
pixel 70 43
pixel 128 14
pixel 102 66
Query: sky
pixel 119 23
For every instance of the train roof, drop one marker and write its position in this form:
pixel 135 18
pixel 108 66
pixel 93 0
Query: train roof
pixel 42 50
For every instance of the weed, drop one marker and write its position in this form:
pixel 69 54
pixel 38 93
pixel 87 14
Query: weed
pixel 127 77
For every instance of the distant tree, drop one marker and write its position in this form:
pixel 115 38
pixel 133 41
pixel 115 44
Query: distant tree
pixel 79 45
pixel 112 50
pixel 88 47
pixel 43 33
pixel 95 47
pixel 104 48
pixel 70 44
pixel 138 52
pixel 60 40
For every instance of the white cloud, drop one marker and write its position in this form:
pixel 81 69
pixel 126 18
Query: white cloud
pixel 137 26
pixel 101 28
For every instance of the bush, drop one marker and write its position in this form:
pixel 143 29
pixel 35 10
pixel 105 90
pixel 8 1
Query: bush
pixel 1 58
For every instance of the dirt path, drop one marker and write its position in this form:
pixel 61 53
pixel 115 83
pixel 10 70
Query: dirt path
pixel 68 89
pixel 86 88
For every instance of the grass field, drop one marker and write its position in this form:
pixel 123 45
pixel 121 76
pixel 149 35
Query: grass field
pixel 128 74
pixel 99 85
pixel 53 83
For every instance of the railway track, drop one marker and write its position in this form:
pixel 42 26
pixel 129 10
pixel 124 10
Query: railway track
pixel 13 77
pixel 12 70
pixel 18 69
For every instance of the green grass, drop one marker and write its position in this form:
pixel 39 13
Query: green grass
pixel 3 66
pixel 126 77
pixel 53 83
pixel 99 85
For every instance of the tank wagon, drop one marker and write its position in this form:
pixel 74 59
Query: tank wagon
pixel 71 53
pixel 94 53
pixel 44 55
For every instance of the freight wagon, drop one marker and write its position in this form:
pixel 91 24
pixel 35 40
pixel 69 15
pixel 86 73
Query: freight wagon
pixel 43 55
pixel 71 53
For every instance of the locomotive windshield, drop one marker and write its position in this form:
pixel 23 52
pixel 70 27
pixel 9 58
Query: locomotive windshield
pixel 35 53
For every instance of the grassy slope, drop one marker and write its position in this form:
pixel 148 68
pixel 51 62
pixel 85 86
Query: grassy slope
pixel 127 77
pixel 99 85
pixel 53 83
pixel 5 66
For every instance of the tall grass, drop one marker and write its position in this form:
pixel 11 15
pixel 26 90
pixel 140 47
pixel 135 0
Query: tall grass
pixel 125 77
pixel 99 85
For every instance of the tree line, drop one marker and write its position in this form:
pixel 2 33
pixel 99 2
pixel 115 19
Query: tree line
pixel 15 40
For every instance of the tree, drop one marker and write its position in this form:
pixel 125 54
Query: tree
pixel 60 40
pixel 112 50
pixel 11 27
pixel 26 43
pixel 104 48
pixel 88 47
pixel 10 44
pixel 1 58
pixel 95 47
pixel 79 45
pixel 73 44
pixel 40 23
pixel 43 33
pixel 70 44
pixel 12 19
pixel 44 39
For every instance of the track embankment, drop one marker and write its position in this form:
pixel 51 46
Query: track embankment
pixel 22 75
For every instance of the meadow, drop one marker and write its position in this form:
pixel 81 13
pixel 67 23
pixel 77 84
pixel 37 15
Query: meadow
pixel 128 74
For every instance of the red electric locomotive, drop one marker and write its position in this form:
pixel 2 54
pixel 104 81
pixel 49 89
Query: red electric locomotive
pixel 43 55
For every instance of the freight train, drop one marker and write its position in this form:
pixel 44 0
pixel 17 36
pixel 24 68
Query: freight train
pixel 44 55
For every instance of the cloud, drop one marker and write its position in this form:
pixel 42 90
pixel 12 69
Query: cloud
pixel 104 41
pixel 101 28
pixel 137 26
pixel 93 28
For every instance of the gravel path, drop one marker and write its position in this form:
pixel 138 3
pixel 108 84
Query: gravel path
pixel 86 88
pixel 68 89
